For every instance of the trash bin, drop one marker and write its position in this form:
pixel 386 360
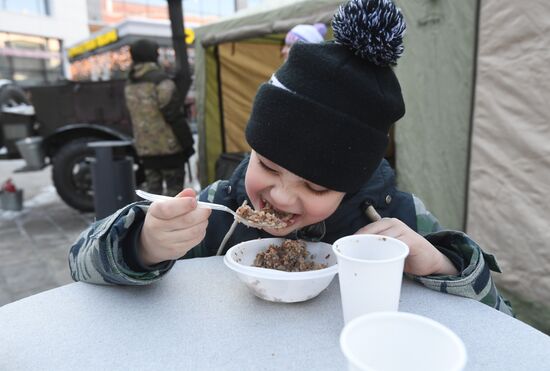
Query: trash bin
pixel 12 201
pixel 14 127
pixel 32 152
pixel 112 177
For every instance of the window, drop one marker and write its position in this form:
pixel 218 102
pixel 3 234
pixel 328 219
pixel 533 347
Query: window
pixel 30 59
pixel 155 9
pixel 36 7
pixel 219 8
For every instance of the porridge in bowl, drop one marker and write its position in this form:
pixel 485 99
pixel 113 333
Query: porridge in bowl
pixel 290 256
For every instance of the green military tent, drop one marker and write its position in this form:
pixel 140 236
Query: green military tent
pixel 475 141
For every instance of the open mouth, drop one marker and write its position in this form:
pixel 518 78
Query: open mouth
pixel 288 218
pixel 265 217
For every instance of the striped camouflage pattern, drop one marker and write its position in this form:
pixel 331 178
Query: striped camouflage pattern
pixel 174 179
pixel 475 280
pixel 96 256
pixel 152 134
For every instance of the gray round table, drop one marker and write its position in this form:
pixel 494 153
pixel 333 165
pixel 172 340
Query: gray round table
pixel 200 317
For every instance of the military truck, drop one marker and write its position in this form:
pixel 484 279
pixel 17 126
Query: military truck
pixel 66 116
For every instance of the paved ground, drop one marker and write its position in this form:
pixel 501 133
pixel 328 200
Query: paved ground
pixel 34 243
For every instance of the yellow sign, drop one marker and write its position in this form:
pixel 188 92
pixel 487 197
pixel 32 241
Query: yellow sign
pixel 109 38
pixel 189 36
pixel 97 42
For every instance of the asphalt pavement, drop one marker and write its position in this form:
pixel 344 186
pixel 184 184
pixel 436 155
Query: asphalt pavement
pixel 34 242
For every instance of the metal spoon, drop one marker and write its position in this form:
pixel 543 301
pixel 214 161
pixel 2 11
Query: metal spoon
pixel 204 205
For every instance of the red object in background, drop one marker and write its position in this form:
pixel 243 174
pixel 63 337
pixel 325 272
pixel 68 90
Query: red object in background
pixel 8 186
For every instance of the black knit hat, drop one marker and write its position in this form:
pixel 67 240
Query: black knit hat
pixel 326 113
pixel 144 50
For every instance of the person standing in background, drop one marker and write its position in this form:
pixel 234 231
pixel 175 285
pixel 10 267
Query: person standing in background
pixel 313 34
pixel 162 136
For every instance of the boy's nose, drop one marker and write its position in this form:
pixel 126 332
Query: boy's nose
pixel 282 196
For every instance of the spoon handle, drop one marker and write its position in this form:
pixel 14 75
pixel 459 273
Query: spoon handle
pixel 201 204
pixel 151 196
pixel 208 205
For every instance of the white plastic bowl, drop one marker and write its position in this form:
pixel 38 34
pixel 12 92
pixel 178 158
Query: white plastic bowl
pixel 280 286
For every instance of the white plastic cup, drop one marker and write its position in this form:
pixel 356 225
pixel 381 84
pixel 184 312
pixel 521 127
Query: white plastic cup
pixel 370 271
pixel 388 341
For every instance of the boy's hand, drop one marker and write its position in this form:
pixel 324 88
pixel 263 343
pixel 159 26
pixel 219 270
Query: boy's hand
pixel 423 259
pixel 172 228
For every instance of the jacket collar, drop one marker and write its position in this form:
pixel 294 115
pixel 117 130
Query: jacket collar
pixel 139 70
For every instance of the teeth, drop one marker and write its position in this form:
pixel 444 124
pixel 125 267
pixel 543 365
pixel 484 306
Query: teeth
pixel 289 217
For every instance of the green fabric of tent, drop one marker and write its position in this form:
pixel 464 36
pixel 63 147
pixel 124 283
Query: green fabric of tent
pixel 436 74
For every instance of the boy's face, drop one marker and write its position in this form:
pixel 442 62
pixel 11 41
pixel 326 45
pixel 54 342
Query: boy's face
pixel 308 203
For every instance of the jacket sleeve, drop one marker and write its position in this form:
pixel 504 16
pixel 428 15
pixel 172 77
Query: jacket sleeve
pixel 474 280
pixel 99 254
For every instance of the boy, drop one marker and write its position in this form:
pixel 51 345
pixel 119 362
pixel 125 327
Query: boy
pixel 318 132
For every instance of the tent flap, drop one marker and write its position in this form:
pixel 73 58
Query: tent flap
pixel 509 173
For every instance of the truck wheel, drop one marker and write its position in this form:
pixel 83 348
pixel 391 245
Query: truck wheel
pixel 72 174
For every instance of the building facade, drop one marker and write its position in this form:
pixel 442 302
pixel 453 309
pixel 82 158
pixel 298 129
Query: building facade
pixel 37 36
pixel 33 34
pixel 114 24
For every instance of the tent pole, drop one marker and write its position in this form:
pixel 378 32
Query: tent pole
pixel 472 111
pixel 220 95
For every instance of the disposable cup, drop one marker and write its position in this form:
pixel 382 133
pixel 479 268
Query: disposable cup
pixel 370 271
pixel 391 341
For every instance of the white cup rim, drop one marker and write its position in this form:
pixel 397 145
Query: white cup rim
pixel 351 325
pixel 401 256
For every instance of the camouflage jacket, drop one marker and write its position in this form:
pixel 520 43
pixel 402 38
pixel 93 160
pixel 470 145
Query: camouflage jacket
pixel 100 255
pixel 155 107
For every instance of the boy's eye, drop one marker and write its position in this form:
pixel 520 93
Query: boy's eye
pixel 267 168
pixel 316 190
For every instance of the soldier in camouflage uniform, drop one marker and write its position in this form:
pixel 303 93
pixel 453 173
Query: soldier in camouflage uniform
pixel 162 137
pixel 317 157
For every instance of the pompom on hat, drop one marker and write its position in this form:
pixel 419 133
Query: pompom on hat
pixel 326 113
